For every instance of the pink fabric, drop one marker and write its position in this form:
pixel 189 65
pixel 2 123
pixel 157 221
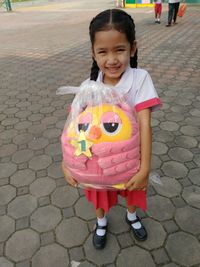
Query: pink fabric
pixel 148 104
pixel 108 199
pixel 111 162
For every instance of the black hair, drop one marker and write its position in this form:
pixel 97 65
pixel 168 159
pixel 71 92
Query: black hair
pixel 112 19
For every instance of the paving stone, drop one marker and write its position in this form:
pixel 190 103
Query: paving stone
pixel 170 226
pixel 185 182
pixel 186 141
pixel 7 169
pixel 22 223
pixel 169 188
pixel 105 256
pixel 188 219
pixel 36 130
pixel 41 173
pixel 191 195
pixel 180 154
pixel 22 206
pixel 160 256
pixel 23 125
pixel 178 202
pixel 134 257
pixel 25 263
pixel 8 134
pixel 76 254
pixel 64 196
pixel 44 201
pixel 7 193
pixel 61 182
pixel 40 162
pixel 163 136
pixel 190 130
pixel 169 126
pixel 84 209
pixel 179 252
pixel 55 171
pixel 22 190
pixel 3 210
pixel 5 263
pixel 7 227
pixel 155 162
pixel 125 240
pixel 52 133
pixel 47 238
pixel 51 120
pixel 71 232
pixel 22 178
pixel 68 212
pixel 194 176
pixel 170 265
pixel 174 116
pixel 159 148
pixel 45 218
pixel 117 214
pixel 42 187
pixel 22 156
pixel 51 256
pixel 22 245
pixel 174 169
pixel 197 160
pixel 38 143
pixel 1 249
pixel 156 234
pixel 86 264
pixel 160 208
pixel 53 149
pixel 7 150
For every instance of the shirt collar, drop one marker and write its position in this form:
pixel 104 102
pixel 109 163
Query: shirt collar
pixel 125 83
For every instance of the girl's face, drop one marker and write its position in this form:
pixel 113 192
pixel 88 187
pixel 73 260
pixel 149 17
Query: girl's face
pixel 112 52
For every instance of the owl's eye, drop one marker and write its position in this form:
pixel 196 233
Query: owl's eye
pixel 83 127
pixel 111 127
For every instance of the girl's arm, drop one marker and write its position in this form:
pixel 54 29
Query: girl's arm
pixel 140 180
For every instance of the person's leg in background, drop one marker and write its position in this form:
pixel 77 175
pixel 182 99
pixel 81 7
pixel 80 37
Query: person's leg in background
pixel 176 7
pixel 170 14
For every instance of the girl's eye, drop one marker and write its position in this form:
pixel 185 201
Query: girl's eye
pixel 83 127
pixel 111 127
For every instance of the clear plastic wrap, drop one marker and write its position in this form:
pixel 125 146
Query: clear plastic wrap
pixel 100 140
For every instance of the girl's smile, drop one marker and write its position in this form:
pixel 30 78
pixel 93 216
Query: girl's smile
pixel 112 52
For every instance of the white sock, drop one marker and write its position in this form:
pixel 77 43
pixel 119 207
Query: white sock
pixel 101 222
pixel 132 217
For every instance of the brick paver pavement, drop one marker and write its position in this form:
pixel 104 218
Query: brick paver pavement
pixel 43 221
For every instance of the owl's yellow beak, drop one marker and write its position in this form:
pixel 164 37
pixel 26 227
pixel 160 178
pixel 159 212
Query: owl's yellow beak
pixel 94 133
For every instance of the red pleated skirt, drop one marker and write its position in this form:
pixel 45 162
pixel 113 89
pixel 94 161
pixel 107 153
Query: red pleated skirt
pixel 107 199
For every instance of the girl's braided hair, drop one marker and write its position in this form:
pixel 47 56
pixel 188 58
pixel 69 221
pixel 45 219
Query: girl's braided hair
pixel 112 19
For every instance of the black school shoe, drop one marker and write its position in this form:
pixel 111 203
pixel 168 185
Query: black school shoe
pixel 99 242
pixel 141 233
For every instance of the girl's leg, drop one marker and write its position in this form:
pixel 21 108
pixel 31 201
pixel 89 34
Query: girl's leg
pixel 100 213
pixel 134 221
pixel 99 237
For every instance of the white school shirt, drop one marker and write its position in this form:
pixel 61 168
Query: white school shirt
pixel 137 87
pixel 174 1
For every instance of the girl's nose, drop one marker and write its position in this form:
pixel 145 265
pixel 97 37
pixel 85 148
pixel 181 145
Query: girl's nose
pixel 111 59
pixel 94 133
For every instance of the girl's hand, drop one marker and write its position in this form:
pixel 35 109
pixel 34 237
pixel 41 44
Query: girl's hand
pixel 138 182
pixel 68 176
